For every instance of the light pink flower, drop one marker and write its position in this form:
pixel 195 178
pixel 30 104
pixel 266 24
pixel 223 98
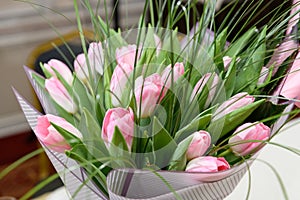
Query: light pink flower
pixel 60 94
pixel 263 75
pixel 148 92
pixel 226 61
pixel 81 68
pixel 176 72
pixel 118 82
pixel 200 143
pixel 123 119
pixel 96 57
pixel 249 131
pixel 235 102
pixel 210 78
pixel 96 62
pixel 158 44
pixel 126 54
pixel 61 68
pixel 207 164
pixel 50 136
pixel 290 85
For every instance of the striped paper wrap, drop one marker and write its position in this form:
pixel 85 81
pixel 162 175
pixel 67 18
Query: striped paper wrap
pixel 126 184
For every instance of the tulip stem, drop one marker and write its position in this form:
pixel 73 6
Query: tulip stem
pixel 224 153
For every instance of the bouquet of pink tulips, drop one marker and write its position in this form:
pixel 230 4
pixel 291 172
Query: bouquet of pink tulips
pixel 168 116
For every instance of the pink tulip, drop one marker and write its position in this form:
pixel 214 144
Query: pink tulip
pixel 61 68
pixel 126 55
pixel 235 102
pixel 148 92
pixel 123 119
pixel 158 44
pixel 96 57
pixel 168 73
pixel 81 68
pixel 118 82
pixel 290 86
pixel 212 87
pixel 249 131
pixel 226 61
pixel 50 136
pixel 207 164
pixel 263 76
pixel 60 95
pixel 199 145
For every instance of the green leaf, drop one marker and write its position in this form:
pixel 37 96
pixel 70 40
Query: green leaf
pixel 199 123
pixel 118 141
pixel 178 160
pixel 249 73
pixel 230 78
pixel 118 150
pixel 91 132
pixel 163 144
pixel 220 127
pixel 237 46
pixel 39 80
pixel 83 96
pixel 69 137
pixel 219 44
pixel 266 110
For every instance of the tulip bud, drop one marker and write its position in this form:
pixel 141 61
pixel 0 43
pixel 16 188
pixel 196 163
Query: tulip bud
pixel 226 61
pixel 60 95
pixel 249 131
pixel 207 164
pixel 123 119
pixel 148 92
pixel 81 68
pixel 126 54
pixel 50 137
pixel 289 87
pixel 199 145
pixel 169 72
pixel 118 82
pixel 235 102
pixel 212 87
pixel 61 68
pixel 96 57
pixel 263 75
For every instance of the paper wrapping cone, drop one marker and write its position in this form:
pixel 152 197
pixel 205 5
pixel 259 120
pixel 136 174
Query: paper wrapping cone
pixel 126 184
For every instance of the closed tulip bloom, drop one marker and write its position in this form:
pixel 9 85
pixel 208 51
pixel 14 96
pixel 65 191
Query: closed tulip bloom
pixel 200 143
pixel 212 87
pixel 61 68
pixel 126 55
pixel 207 164
pixel 50 136
pixel 235 102
pixel 148 93
pixel 80 67
pixel 226 61
pixel 290 86
pixel 176 72
pixel 118 82
pixel 246 132
pixel 263 75
pixel 123 119
pixel 96 57
pixel 60 95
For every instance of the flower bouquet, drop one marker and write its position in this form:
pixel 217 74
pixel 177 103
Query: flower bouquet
pixel 154 114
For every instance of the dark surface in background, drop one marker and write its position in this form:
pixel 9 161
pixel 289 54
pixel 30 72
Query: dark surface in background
pixel 262 15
